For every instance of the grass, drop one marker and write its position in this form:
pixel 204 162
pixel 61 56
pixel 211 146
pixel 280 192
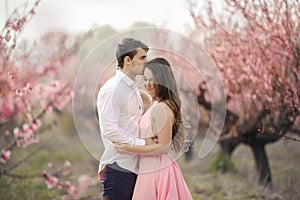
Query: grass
pixel 25 189
pixel 221 163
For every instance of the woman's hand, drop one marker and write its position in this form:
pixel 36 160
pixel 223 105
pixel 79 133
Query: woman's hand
pixel 151 140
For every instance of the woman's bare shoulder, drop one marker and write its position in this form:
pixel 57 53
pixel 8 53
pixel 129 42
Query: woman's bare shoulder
pixel 163 110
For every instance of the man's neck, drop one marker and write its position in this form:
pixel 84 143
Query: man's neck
pixel 130 75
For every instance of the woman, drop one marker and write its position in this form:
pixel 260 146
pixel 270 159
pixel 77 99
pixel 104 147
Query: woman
pixel 159 176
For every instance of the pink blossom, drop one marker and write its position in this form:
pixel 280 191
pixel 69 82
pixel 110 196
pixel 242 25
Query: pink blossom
pixel 84 182
pixel 37 122
pixel 19 93
pixel 67 169
pixel 51 181
pixel 21 143
pixel 49 109
pixel 26 127
pixel 7 38
pixel 32 11
pixel 73 191
pixel 17 132
pixel 5 155
pixel 33 139
pixel 34 127
pixel 7 111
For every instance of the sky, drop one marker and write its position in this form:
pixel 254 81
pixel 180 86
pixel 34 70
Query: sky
pixel 80 15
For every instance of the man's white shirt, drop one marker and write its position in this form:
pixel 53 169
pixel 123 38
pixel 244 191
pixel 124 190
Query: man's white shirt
pixel 120 108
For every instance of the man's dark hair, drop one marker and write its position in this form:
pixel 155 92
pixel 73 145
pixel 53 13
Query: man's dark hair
pixel 128 47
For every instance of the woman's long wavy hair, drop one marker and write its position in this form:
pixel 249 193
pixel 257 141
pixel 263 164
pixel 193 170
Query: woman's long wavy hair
pixel 165 86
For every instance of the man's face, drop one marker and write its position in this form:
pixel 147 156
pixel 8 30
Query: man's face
pixel 138 62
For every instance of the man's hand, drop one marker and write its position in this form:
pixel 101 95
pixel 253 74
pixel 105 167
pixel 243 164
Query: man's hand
pixel 151 140
pixel 121 148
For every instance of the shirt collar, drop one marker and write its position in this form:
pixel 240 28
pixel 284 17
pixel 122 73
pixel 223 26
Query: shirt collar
pixel 124 77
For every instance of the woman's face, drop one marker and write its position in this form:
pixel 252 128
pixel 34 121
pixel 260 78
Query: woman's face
pixel 148 79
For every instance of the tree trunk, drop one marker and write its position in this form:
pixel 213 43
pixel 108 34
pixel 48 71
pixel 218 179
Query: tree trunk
pixel 262 163
pixel 228 145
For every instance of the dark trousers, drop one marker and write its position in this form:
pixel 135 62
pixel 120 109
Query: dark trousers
pixel 117 183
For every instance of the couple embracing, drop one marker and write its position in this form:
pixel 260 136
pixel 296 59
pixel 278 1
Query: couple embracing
pixel 139 128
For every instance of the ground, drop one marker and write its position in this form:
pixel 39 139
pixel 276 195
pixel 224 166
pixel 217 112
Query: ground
pixel 240 184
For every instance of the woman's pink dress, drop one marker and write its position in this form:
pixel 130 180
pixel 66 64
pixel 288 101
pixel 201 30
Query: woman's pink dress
pixel 159 176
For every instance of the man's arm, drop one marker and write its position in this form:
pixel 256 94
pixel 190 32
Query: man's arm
pixel 109 105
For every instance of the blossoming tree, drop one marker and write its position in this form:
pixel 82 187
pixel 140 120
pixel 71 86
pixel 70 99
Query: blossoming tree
pixel 34 82
pixel 256 46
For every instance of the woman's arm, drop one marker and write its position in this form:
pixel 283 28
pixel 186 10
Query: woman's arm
pixel 162 121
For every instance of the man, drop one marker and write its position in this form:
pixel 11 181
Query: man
pixel 120 107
